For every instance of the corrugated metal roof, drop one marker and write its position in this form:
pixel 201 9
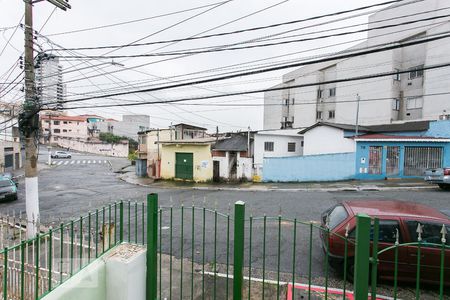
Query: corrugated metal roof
pixel 393 127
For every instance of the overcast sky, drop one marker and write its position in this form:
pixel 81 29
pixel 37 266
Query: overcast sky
pixel 88 14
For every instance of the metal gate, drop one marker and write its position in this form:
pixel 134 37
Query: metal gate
pixel 375 156
pixel 417 159
pixel 392 160
pixel 184 166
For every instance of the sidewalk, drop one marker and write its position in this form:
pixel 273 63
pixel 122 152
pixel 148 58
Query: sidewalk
pixel 352 185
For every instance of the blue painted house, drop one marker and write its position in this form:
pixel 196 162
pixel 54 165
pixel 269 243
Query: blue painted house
pixel 397 150
pixel 393 151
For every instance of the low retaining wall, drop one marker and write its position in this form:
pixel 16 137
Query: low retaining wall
pixel 116 150
pixel 324 167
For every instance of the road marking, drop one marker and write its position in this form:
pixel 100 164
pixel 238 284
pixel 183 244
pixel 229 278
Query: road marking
pixel 89 162
pixel 53 162
pixel 59 163
pixel 78 161
pixel 84 161
pixel 106 161
pixel 72 162
pixel 67 162
pixel 93 161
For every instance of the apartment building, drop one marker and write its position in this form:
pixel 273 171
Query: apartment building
pixel 49 80
pixel 410 94
pixel 55 127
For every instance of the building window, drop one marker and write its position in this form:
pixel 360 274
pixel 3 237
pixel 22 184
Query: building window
pixel 397 75
pixel 64 130
pixel 331 114
pixel 319 93
pixel 414 102
pixel 333 92
pixel 55 122
pixel 291 147
pixel 56 130
pixel 416 72
pixel 65 122
pixel 319 115
pixel 302 144
pixel 293 101
pixel 396 104
pixel 268 146
pixel 286 102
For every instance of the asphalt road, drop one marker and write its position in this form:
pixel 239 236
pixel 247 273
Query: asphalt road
pixel 72 189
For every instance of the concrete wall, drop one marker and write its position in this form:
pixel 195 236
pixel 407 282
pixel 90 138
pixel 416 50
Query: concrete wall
pixel 326 140
pixel 203 166
pixel 87 284
pixel 116 150
pixel 327 167
pixel 117 275
pixel 439 129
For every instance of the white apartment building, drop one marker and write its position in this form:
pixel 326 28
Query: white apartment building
pixel 414 95
pixel 49 80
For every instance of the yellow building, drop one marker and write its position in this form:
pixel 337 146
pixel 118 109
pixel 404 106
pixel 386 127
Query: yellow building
pixel 187 159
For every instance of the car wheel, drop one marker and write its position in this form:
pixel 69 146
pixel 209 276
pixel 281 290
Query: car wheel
pixel 351 270
pixel 444 186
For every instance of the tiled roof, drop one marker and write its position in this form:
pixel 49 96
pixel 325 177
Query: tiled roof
pixel 64 118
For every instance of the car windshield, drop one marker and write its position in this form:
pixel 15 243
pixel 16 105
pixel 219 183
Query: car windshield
pixel 336 216
pixel 5 183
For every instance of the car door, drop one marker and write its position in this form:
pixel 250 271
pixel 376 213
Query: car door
pixel 388 229
pixel 430 257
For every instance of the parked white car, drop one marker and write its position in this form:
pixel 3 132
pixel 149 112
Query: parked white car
pixel 439 176
pixel 61 154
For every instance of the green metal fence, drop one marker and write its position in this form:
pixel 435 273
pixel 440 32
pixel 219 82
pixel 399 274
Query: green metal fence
pixel 200 253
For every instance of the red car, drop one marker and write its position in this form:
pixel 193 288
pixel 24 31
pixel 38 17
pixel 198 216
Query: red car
pixel 393 216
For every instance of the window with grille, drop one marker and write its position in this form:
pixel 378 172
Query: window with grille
pixel 319 115
pixel 268 146
pixel 416 72
pixel 375 156
pixel 291 147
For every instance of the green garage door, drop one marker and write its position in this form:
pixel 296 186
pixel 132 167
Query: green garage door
pixel 184 166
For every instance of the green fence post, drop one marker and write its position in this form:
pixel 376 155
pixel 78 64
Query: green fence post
pixel 362 253
pixel 239 223
pixel 5 273
pixel 121 222
pixel 152 246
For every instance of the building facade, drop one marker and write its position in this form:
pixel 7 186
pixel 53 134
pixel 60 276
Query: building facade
pixel 410 94
pixel 49 80
pixel 275 143
pixel 11 153
pixel 233 158
pixel 56 127
pixel 128 127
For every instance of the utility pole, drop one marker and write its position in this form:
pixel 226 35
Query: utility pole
pixel 357 115
pixel 29 120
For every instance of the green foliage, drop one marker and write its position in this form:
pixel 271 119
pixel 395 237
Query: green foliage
pixel 111 138
pixel 132 156
pixel 114 139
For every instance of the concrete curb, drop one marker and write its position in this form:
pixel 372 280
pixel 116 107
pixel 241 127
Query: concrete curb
pixel 373 188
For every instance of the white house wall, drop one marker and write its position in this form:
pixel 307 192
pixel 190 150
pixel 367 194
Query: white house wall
pixel 326 140
pixel 280 148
